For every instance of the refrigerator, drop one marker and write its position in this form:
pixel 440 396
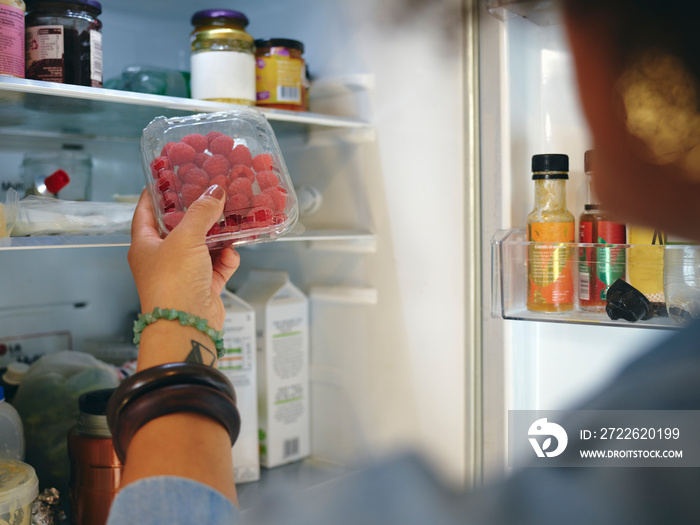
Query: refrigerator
pixel 424 116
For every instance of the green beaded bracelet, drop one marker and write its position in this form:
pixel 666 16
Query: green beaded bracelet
pixel 185 319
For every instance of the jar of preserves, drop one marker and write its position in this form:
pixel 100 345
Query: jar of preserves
pixel 64 41
pixel 280 75
pixel 12 41
pixel 223 57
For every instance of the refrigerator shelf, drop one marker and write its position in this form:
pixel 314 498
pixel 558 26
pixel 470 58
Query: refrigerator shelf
pixel 539 12
pixel 50 109
pixel 103 241
pixel 510 261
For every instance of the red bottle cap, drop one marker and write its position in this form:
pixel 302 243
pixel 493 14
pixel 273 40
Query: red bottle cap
pixel 55 182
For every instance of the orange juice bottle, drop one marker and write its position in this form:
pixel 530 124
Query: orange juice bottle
pixel 551 231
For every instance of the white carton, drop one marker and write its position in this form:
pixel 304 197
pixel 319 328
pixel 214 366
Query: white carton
pixel 282 329
pixel 239 364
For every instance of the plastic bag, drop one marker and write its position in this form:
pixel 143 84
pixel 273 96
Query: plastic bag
pixel 47 402
pixel 8 213
pixel 48 216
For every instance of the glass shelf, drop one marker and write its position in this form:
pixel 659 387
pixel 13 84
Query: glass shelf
pixel 50 109
pixel 86 241
pixel 511 258
pixel 539 12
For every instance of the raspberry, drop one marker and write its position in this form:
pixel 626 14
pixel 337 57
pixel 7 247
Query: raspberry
pixel 241 185
pixel 170 201
pixel 200 159
pixel 221 145
pixel 216 165
pixel 172 219
pixel 167 181
pixel 233 221
pixel 237 202
pixel 280 218
pixel 262 200
pixel 267 179
pixel 240 155
pixel 214 230
pixel 211 136
pixel 220 180
pixel 258 218
pixel 164 151
pixel 159 164
pixel 190 193
pixel 263 162
pixel 180 153
pixel 181 170
pixel 278 196
pixel 241 171
pixel 197 141
pixel 195 176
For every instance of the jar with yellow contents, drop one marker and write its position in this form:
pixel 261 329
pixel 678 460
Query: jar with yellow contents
pixel 280 74
pixel 223 57
pixel 12 38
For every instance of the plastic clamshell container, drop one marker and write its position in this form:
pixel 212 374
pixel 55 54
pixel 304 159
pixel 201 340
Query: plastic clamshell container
pixel 183 156
pixel 18 488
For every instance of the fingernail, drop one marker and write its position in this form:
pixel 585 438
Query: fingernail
pixel 215 191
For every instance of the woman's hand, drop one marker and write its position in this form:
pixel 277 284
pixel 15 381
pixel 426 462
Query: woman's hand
pixel 179 271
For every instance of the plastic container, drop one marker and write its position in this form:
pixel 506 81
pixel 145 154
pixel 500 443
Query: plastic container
pixel 222 63
pixel 18 488
pixel 36 167
pixel 280 75
pixel 11 432
pixel 682 282
pixel 64 41
pixel 11 379
pixel 12 42
pixel 237 150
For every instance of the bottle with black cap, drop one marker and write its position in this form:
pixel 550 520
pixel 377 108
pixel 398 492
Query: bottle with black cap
pixel 95 468
pixel 551 231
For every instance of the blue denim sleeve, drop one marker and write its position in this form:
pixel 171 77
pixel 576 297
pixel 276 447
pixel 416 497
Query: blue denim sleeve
pixel 168 500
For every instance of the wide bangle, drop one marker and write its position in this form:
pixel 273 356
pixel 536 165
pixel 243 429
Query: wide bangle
pixel 185 319
pixel 147 383
pixel 174 399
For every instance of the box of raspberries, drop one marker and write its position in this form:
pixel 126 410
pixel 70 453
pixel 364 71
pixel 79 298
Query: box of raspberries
pixel 183 156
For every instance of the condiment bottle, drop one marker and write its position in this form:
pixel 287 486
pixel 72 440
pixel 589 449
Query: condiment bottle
pixel 11 431
pixel 12 42
pixel 11 379
pixel 95 468
pixel 280 75
pixel 223 57
pixel 599 266
pixel 550 230
pixel 64 41
pixel 645 263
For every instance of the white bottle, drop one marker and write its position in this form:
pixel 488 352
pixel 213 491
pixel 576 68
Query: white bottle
pixel 11 431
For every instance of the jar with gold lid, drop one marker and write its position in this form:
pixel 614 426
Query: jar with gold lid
pixel 280 74
pixel 12 38
pixel 223 57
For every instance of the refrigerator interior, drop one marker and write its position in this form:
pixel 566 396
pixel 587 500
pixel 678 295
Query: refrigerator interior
pixel 528 106
pixel 384 257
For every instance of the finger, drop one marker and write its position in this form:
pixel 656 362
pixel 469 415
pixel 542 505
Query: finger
pixel 143 224
pixel 201 215
pixel 224 266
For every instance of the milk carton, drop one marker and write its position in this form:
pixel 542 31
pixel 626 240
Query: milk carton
pixel 282 330
pixel 239 364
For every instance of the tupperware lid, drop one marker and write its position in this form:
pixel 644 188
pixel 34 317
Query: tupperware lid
pixel 207 14
pixel 18 486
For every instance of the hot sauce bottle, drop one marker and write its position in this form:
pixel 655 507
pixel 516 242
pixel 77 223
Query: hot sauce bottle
pixel 600 265
pixel 551 230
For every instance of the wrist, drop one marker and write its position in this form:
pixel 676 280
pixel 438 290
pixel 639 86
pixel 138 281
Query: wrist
pixel 169 342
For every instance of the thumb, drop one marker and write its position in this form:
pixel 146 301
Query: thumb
pixel 202 214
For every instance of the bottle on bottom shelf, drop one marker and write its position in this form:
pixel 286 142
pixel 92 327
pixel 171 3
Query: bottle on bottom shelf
pixel 11 431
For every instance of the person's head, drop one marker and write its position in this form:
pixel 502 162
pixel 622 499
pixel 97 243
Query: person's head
pixel 637 64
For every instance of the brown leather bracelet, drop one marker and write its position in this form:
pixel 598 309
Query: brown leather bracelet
pixel 172 399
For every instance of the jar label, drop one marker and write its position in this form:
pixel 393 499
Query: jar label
pixel 278 79
pixel 223 75
pixel 11 41
pixel 95 58
pixel 44 53
pixel 550 272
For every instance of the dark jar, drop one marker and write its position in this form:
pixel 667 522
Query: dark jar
pixel 280 74
pixel 64 41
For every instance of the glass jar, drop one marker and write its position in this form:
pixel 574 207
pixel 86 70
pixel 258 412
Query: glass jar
pixel 64 41
pixel 12 42
pixel 280 75
pixel 223 57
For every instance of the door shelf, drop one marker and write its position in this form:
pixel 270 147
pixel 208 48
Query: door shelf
pixel 362 237
pixel 47 109
pixel 510 256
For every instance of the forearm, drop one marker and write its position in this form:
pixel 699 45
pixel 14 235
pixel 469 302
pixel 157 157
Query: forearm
pixel 184 444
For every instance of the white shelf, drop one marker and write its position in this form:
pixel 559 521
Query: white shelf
pixel 87 241
pixel 50 109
